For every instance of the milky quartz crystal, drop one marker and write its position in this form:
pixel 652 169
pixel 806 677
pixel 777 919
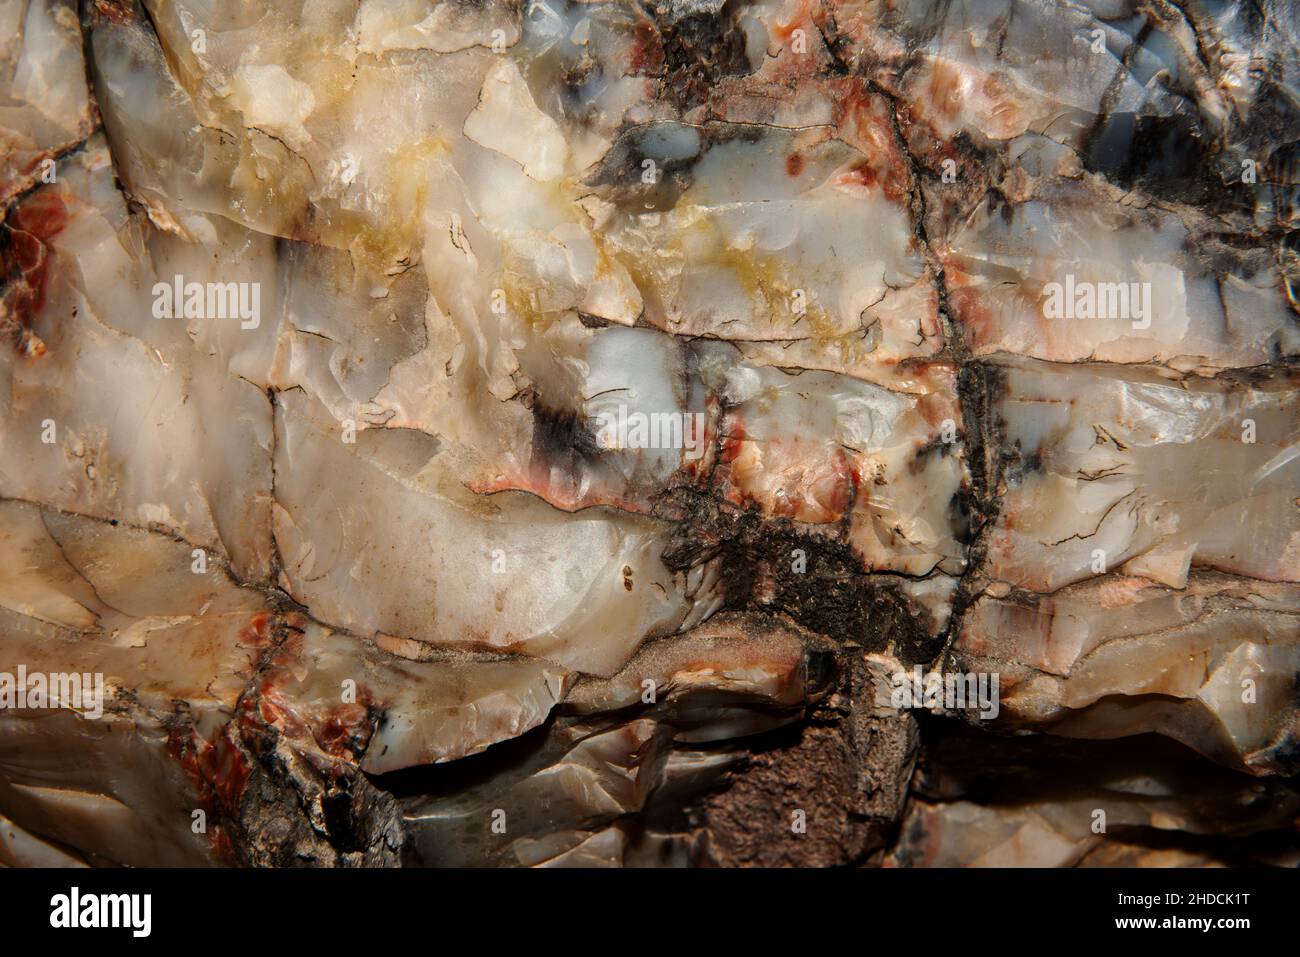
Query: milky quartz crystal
pixel 500 433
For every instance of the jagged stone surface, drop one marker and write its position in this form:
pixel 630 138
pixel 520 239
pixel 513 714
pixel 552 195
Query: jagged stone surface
pixel 589 414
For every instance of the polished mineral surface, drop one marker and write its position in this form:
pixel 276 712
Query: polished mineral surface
pixel 665 433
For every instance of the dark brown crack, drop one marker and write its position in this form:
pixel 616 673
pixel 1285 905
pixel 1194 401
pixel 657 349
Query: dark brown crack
pixel 823 794
pixel 761 561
